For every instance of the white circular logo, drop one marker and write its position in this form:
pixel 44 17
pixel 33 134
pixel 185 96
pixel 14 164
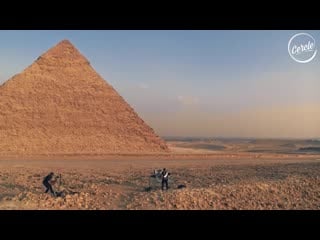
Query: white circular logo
pixel 302 47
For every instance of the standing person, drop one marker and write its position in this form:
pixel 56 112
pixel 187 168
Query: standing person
pixel 46 183
pixel 165 177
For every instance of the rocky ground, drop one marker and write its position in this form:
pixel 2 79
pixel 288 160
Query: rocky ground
pixel 253 186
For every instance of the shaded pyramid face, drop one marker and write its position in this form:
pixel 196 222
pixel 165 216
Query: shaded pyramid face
pixel 60 105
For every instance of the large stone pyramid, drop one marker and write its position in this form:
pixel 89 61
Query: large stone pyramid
pixel 60 105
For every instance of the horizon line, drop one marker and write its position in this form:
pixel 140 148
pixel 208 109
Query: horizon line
pixel 245 138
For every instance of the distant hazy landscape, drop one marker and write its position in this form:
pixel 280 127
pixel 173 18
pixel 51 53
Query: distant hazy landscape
pixel 281 146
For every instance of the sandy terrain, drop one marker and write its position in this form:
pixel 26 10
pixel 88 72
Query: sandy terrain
pixel 216 181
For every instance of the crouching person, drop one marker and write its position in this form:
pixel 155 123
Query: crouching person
pixel 47 183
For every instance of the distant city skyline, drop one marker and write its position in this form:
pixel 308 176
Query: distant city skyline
pixel 194 83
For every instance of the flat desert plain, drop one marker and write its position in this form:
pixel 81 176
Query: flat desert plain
pixel 229 175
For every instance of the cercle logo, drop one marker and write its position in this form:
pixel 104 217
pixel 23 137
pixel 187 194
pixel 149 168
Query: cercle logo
pixel 302 47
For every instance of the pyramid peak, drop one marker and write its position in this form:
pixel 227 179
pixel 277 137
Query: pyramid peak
pixel 65 43
pixel 63 46
pixel 65 51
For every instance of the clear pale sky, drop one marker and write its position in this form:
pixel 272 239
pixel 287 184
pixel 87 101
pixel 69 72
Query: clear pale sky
pixel 194 83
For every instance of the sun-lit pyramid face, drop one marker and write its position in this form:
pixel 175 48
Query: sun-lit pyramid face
pixel 60 105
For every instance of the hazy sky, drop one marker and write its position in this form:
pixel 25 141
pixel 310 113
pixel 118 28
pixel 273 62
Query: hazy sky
pixel 194 83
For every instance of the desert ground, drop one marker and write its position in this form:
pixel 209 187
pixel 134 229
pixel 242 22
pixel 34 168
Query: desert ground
pixel 282 175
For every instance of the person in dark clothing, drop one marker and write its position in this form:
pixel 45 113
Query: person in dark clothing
pixel 47 184
pixel 165 178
